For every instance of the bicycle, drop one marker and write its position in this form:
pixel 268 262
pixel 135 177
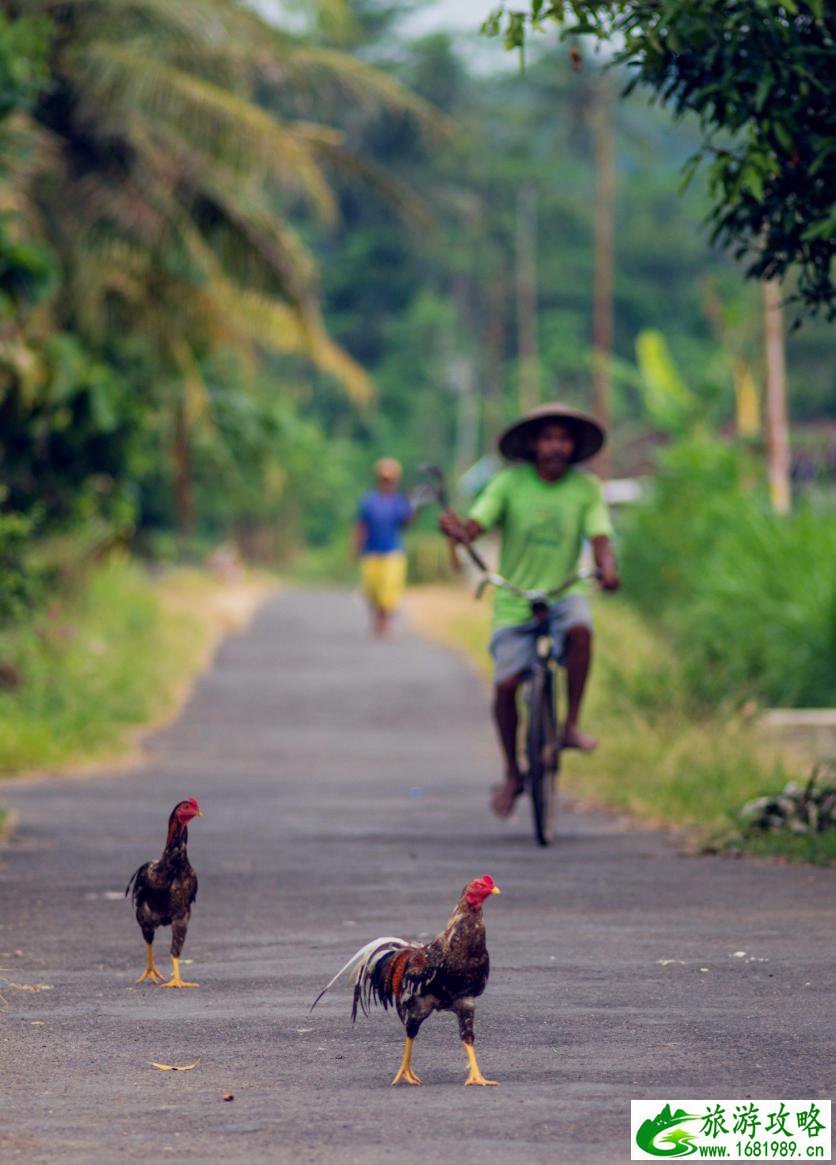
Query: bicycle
pixel 542 739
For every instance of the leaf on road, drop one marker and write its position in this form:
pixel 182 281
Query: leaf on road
pixel 174 1067
pixel 7 983
pixel 229 1096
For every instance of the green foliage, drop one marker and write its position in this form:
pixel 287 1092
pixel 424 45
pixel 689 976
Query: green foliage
pixel 108 660
pixel 27 272
pixel 670 404
pixel 755 74
pixel 68 428
pixel 23 49
pixel 20 586
pixel 748 597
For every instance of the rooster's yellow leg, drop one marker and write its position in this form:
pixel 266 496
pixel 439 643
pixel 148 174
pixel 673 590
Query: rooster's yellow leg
pixel 175 980
pixel 151 973
pixel 475 1076
pixel 405 1071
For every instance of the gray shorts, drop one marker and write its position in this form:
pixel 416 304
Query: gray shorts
pixel 514 649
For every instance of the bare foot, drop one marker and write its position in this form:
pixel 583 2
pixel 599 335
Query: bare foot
pixel 382 625
pixel 504 796
pixel 574 738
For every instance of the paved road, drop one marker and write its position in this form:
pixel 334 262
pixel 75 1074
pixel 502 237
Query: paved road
pixel 343 783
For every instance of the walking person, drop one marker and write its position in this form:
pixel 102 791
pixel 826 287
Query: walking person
pixel 545 509
pixel 382 514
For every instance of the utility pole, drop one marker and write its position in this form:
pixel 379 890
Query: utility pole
pixel 494 358
pixel 182 472
pixel 528 359
pixel 777 428
pixel 602 321
pixel 462 373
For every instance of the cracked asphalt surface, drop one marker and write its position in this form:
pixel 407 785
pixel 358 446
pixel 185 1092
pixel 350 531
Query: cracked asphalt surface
pixel 344 786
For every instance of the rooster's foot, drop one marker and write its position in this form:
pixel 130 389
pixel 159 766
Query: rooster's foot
pixel 405 1071
pixel 151 974
pixel 475 1076
pixel 175 980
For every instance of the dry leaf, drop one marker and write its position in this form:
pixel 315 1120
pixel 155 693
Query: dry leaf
pixel 174 1067
pixel 24 986
pixel 7 984
pixel 229 1096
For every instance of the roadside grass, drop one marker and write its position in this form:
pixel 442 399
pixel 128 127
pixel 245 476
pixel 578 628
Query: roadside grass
pixel 661 758
pixel 118 657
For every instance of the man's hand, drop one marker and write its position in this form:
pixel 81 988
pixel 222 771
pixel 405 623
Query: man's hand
pixel 608 576
pixel 609 579
pixel 459 529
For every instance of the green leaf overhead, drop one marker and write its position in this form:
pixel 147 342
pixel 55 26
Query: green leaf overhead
pixel 759 78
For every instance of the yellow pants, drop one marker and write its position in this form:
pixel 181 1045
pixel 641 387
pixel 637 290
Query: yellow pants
pixel 383 577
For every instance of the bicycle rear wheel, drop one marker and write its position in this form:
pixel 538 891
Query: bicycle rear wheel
pixel 543 749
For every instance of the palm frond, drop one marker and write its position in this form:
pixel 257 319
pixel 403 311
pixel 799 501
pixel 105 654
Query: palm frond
pixel 316 69
pixel 118 81
pixel 285 329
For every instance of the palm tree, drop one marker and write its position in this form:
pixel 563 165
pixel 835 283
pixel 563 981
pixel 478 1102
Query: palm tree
pixel 173 144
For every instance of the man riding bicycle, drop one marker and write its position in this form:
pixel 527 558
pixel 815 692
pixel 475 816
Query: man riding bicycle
pixel 545 509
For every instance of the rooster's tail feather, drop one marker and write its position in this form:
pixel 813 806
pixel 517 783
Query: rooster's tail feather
pixel 364 964
pixel 133 881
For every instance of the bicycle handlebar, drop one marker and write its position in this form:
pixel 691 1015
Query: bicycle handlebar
pixel 491 578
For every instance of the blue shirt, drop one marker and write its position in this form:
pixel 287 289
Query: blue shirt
pixel 384 516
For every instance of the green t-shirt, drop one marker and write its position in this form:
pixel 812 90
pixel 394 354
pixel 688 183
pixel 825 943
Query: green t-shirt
pixel 543 527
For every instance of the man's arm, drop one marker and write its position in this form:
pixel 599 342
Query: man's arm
pixel 602 552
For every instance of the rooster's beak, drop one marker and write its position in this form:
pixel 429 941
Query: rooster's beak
pixel 496 890
pixel 199 813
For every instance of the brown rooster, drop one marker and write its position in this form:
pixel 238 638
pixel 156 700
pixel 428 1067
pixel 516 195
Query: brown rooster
pixel 445 975
pixel 163 893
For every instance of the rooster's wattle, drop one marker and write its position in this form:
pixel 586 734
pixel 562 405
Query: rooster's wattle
pixel 163 893
pixel 445 975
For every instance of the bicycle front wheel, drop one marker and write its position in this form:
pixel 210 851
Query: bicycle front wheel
pixel 543 749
